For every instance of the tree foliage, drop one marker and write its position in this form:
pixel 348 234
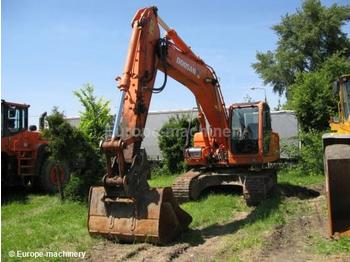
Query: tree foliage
pixel 96 115
pixel 311 153
pixel 64 141
pixel 311 95
pixel 70 145
pixel 306 39
pixel 172 139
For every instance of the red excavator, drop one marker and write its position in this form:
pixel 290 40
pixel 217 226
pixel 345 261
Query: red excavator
pixel 233 150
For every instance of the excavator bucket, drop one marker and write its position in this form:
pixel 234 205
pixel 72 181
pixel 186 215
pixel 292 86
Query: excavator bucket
pixel 156 217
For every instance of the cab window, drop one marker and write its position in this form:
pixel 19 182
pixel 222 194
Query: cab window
pixel 16 119
pixel 245 130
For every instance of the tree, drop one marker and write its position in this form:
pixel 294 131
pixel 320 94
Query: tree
pixel 172 140
pixel 311 95
pixel 96 115
pixel 305 40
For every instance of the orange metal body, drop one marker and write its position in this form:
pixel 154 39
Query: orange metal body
pixel 22 145
pixel 25 141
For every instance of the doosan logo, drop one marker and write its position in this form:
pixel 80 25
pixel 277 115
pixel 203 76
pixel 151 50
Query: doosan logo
pixel 187 66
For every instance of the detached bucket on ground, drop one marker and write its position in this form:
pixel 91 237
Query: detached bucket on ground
pixel 155 217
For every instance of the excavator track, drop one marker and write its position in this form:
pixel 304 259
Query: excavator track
pixel 256 184
pixel 182 185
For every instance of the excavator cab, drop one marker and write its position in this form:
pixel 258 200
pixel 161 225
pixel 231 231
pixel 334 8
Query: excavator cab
pixel 251 141
pixel 250 124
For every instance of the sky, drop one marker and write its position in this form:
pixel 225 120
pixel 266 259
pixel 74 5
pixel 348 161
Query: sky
pixel 50 48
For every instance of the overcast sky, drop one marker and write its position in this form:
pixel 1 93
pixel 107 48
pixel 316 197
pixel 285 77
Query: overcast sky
pixel 51 48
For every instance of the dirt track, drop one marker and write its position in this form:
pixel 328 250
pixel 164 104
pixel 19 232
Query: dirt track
pixel 290 242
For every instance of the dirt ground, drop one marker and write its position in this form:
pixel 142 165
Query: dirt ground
pixel 290 242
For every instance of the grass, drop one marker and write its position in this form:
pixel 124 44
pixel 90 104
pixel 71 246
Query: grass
pixel 332 246
pixel 161 181
pixel 43 223
pixel 293 177
pixel 210 209
pixel 214 209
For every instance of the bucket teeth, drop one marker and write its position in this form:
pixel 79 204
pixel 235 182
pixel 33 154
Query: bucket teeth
pixel 155 217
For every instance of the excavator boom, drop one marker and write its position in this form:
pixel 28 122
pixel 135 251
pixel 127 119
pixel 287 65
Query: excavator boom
pixel 149 53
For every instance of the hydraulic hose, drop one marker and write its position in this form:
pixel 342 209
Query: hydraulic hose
pixel 163 49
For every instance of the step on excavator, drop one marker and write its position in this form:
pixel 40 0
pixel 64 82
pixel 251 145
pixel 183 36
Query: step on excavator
pixel 234 149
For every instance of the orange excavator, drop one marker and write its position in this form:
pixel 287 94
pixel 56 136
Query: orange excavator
pixel 233 150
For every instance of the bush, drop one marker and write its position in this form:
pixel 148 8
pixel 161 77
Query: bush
pixel 161 170
pixel 89 165
pixel 172 139
pixel 311 154
pixel 290 149
pixel 70 145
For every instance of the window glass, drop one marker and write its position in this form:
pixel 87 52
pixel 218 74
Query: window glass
pixel 23 122
pixel 15 121
pixel 245 130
